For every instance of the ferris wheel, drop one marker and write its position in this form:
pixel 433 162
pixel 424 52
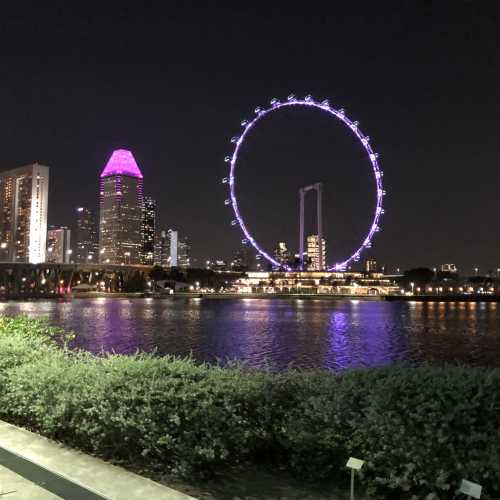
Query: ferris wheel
pixel 353 126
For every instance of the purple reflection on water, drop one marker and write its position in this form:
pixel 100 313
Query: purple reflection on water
pixel 333 335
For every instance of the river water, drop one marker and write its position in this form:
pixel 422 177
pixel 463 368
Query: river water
pixel 332 335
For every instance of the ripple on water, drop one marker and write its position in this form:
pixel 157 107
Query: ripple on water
pixel 332 335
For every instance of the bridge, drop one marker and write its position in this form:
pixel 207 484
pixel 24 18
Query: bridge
pixel 22 280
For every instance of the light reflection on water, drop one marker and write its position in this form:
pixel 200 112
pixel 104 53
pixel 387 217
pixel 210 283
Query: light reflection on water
pixel 309 333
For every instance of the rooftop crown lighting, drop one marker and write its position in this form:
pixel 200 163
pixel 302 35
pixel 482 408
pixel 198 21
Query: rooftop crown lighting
pixel 122 162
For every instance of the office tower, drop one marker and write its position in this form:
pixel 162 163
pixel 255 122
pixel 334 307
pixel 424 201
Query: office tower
pixel 59 245
pixel 371 266
pixel 282 254
pixel 162 249
pixel 316 262
pixel 183 253
pixel 86 246
pixel 120 217
pixel 173 237
pixel 148 230
pixel 23 213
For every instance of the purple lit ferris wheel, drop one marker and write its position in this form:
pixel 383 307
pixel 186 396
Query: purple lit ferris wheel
pixel 335 113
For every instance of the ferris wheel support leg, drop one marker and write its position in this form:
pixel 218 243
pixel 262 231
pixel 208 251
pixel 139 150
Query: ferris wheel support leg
pixel 301 229
pixel 319 190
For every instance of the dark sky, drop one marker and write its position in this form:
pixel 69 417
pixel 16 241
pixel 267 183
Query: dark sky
pixel 171 81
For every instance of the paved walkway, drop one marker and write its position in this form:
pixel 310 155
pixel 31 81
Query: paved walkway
pixel 33 467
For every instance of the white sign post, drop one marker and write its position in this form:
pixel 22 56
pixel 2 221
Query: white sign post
pixel 472 490
pixel 354 464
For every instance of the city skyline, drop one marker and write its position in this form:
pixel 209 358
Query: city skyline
pixel 434 136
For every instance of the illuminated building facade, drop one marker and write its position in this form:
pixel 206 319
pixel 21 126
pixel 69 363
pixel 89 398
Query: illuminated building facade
pixel 121 209
pixel 173 236
pixel 315 282
pixel 148 230
pixel 371 266
pixel 59 245
pixel 183 253
pixel 162 249
pixel 317 262
pixel 282 254
pixel 23 214
pixel 86 247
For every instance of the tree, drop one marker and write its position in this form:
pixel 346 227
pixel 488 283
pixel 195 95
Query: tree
pixel 419 276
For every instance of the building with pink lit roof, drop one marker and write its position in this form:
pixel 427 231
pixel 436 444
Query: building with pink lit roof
pixel 121 205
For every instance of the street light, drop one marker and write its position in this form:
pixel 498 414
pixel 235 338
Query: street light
pixel 476 270
pixel 412 287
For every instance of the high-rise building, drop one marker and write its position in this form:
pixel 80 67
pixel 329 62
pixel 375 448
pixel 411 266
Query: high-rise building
pixel 173 236
pixel 121 204
pixel 86 247
pixel 59 245
pixel 282 254
pixel 316 261
pixel 183 253
pixel 148 230
pixel 371 266
pixel 23 213
pixel 162 249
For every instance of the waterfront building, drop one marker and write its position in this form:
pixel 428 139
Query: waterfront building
pixel 59 245
pixel 162 249
pixel 148 230
pixel 316 282
pixel 317 262
pixel 121 205
pixel 86 244
pixel 282 254
pixel 23 214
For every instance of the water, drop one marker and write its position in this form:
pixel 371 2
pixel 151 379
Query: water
pixel 332 335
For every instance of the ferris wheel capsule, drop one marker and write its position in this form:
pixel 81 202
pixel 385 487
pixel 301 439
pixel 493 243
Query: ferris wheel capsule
pixel 244 241
pixel 244 123
pixel 258 110
pixel 341 111
pixel 308 98
pixel 291 97
pixel 235 139
pixel 234 222
pixel 227 159
pixel 325 103
pixel 225 180
pixel 274 101
pixel 227 202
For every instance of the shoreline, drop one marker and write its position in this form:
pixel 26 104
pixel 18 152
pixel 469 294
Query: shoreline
pixel 257 296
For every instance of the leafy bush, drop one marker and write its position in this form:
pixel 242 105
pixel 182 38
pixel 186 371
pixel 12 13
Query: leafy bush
pixel 420 430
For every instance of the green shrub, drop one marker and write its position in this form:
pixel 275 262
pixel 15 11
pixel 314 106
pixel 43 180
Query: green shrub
pixel 420 430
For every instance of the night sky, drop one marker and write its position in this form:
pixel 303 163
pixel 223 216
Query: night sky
pixel 172 81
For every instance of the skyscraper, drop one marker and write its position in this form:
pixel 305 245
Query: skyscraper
pixel 59 245
pixel 282 254
pixel 23 213
pixel 183 253
pixel 173 236
pixel 317 262
pixel 148 230
pixel 121 205
pixel 86 247
pixel 162 249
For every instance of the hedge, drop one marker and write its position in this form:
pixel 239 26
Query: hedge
pixel 420 429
